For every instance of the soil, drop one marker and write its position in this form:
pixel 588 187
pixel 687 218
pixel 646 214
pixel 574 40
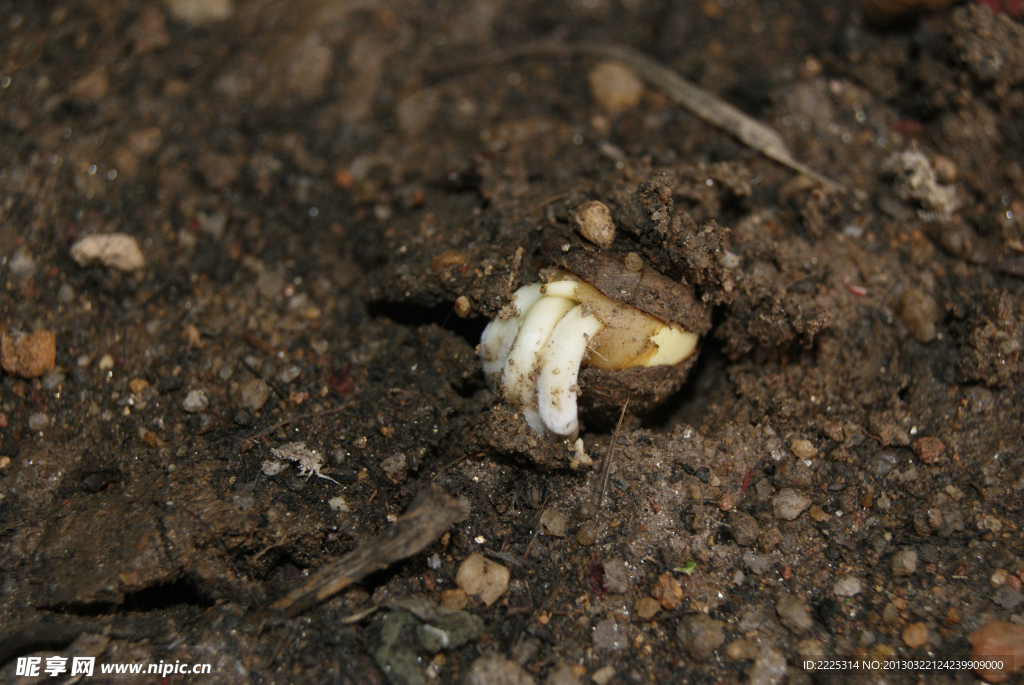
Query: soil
pixel 313 188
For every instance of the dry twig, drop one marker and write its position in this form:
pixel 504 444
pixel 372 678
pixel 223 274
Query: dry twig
pixel 430 515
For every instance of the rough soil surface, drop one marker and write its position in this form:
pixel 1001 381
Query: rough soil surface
pixel 311 185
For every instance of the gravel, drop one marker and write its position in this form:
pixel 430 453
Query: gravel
pixel 700 635
pixel 904 563
pixel 610 634
pixel 793 614
pixel 195 401
pixel 789 504
pixel 848 586
pixel 769 668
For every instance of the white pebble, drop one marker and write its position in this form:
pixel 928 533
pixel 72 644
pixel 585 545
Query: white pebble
pixel 112 250
pixel 195 401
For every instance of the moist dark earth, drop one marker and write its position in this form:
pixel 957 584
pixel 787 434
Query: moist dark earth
pixel 313 186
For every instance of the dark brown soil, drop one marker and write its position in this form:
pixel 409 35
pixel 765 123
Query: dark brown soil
pixel 311 197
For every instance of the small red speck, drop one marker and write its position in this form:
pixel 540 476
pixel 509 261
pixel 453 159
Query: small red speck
pixel 597 576
pixel 341 381
pixel 746 480
pixel 907 127
pixel 857 290
pixel 165 680
pixel 3 420
pixel 787 572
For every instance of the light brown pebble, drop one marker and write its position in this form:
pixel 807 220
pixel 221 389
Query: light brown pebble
pixel 742 649
pixel 634 262
pixel 945 168
pixel 919 312
pixel 647 607
pixel 463 306
pixel 928 449
pixel 454 600
pixel 727 501
pixel 5 462
pixel 803 449
pixel 594 222
pixel 615 87
pixel 482 577
pixel 915 635
pixel 28 355
pixel 138 385
pixel 998 638
pixel 667 591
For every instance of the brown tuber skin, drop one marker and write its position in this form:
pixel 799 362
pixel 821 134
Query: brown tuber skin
pixel 605 391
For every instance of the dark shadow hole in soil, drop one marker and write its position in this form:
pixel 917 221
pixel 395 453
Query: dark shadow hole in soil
pixel 153 598
pixel 707 381
pixel 443 315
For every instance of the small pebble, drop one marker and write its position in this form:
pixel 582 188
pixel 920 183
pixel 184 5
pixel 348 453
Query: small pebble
pixel 482 577
pixel 396 467
pixel 915 635
pixel 667 591
pixel 700 635
pixel 594 222
pixel 1008 597
pixel 758 564
pixel 52 380
pixel 904 563
pixel 615 87
pixel 793 614
pixel 254 393
pixel 338 505
pixel 647 607
pixel 195 401
pixel 848 586
pixel 611 635
pixel 634 262
pixel 727 501
pixel 454 600
pixel 928 449
pixel 603 675
pixel 945 168
pixel 999 639
pixel 289 373
pixel 789 504
pixel 463 306
pixel 919 312
pixel 22 265
pixel 742 649
pixel 617 578
pixel 998 578
pixel 28 355
pixel 552 522
pixel 562 674
pixel 769 668
pixel 112 250
pixel 495 670
pixel 38 421
pixel 743 528
pixel 65 294
pixel 803 449
pixel 589 533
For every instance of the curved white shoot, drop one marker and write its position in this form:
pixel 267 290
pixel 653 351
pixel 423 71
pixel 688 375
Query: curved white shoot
pixel 560 368
pixel 499 335
pixel 540 321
